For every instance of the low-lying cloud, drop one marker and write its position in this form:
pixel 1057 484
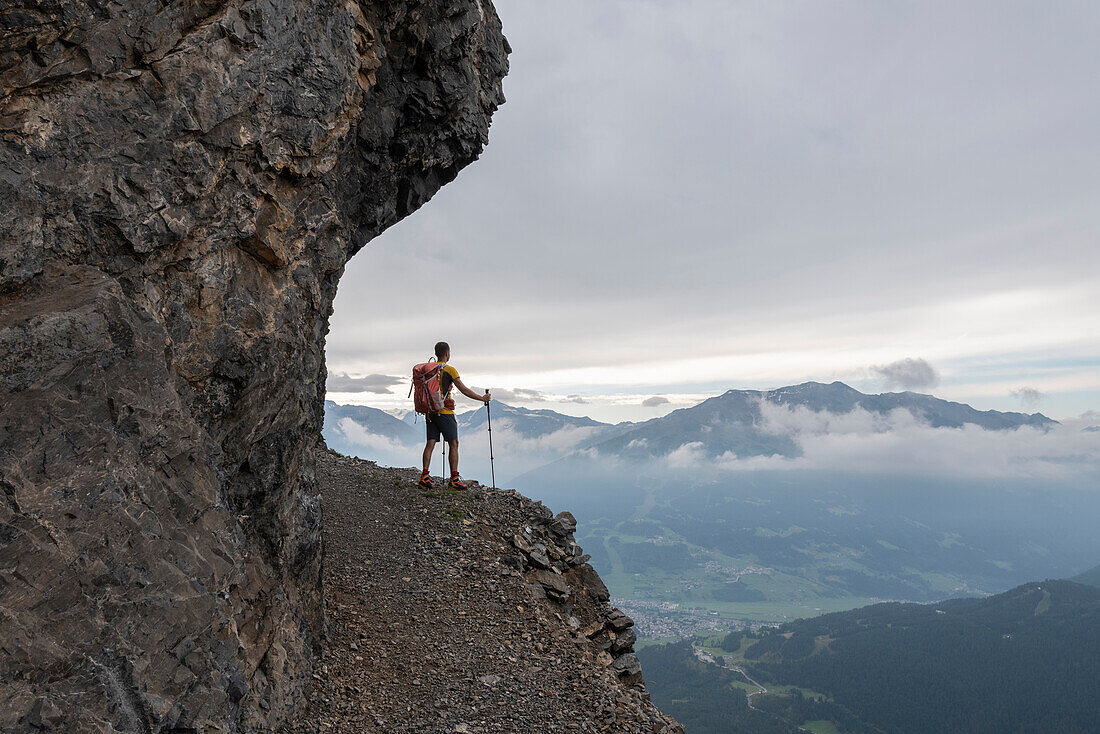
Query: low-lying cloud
pixel 378 384
pixel 518 395
pixel 517 453
pixel 654 401
pixel 909 374
pixel 899 443
pixel 358 435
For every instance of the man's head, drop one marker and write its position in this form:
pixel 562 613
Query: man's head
pixel 442 351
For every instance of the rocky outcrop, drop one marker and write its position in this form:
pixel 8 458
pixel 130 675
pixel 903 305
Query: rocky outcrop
pixel 558 570
pixel 181 184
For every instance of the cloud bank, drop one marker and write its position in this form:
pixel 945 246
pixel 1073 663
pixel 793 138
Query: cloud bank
pixel 899 443
pixel 519 395
pixel 358 435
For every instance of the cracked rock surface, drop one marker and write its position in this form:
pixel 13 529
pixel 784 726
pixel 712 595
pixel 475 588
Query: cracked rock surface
pixel 441 622
pixel 181 184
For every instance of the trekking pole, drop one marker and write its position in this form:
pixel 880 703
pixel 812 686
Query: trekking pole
pixel 489 423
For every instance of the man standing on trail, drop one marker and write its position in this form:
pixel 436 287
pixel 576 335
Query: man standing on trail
pixel 444 422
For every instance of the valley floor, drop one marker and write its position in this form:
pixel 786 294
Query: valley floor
pixel 432 632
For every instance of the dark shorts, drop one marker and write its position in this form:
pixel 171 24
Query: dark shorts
pixel 439 423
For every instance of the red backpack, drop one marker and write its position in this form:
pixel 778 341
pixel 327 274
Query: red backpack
pixel 427 388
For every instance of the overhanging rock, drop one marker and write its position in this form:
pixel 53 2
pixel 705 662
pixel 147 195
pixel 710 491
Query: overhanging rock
pixel 181 185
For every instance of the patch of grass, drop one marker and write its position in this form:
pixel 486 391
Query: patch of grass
pixel 1044 604
pixel 744 685
pixel 644 642
pixel 806 692
pixel 821 726
pixel 452 514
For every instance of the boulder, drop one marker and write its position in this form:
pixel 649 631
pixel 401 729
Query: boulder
pixel 624 642
pixel 618 621
pixel 591 582
pixel 553 583
pixel 628 668
pixel 563 525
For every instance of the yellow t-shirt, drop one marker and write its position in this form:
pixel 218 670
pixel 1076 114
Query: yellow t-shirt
pixel 447 385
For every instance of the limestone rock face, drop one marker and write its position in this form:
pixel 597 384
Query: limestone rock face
pixel 181 184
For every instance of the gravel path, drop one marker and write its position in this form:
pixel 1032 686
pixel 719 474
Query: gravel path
pixel 464 612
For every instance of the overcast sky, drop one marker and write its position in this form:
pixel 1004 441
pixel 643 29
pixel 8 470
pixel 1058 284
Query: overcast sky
pixel 685 197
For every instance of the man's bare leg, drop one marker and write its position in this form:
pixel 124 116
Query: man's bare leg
pixel 429 449
pixel 452 448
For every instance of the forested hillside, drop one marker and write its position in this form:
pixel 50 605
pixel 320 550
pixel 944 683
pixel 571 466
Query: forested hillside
pixel 1025 660
pixel 700 696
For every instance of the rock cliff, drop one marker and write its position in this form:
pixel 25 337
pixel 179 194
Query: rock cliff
pixel 181 184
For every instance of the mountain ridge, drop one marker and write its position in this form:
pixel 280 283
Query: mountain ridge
pixel 735 417
pixel 739 404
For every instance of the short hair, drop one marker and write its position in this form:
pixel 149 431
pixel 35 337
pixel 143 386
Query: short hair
pixel 441 349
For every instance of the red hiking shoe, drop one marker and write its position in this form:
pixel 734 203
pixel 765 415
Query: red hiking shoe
pixel 425 482
pixel 456 482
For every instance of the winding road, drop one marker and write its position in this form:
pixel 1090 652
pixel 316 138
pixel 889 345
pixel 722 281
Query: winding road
pixel 706 657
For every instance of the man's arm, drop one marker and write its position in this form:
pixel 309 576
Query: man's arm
pixel 470 393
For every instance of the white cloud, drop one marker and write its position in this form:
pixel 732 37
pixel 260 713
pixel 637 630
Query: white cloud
pixel 343 383
pixel 360 436
pixel 909 373
pixel 517 453
pixel 900 444
pixel 799 420
pixel 687 456
pixel 556 443
pixel 518 395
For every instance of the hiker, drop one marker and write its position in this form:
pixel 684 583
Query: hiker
pixel 443 422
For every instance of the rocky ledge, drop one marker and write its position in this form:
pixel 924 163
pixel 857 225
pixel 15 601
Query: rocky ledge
pixel 470 611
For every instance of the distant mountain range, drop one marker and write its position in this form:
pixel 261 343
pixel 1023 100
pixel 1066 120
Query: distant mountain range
pixel 533 423
pixel 734 422
pixel 731 423
pixel 523 438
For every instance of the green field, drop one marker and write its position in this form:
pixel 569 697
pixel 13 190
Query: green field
pixel 644 642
